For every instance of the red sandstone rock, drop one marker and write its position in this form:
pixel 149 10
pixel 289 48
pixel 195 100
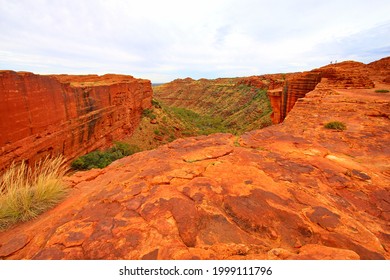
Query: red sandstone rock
pixel 66 114
pixel 348 74
pixel 283 99
pixel 291 191
pixel 380 70
pixel 276 97
pixel 254 81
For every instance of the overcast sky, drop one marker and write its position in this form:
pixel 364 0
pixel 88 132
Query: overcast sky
pixel 168 39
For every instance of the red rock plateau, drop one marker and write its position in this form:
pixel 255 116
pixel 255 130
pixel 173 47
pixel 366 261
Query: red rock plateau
pixel 294 190
pixel 71 115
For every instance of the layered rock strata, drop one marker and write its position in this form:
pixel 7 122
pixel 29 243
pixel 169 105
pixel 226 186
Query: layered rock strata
pixel 283 99
pixel 348 74
pixel 69 115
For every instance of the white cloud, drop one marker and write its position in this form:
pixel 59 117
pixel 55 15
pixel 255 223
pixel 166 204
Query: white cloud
pixel 163 40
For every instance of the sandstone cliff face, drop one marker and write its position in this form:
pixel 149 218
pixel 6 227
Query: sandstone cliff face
pixel 72 115
pixel 348 74
pixel 283 99
pixel 291 191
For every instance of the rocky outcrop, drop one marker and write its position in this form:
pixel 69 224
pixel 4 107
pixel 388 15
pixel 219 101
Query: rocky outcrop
pixel 348 74
pixel 283 99
pixel 380 70
pixel 298 87
pixel 71 115
pixel 278 109
pixel 291 191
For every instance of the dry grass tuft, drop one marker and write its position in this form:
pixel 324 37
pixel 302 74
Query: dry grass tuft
pixel 336 125
pixel 27 192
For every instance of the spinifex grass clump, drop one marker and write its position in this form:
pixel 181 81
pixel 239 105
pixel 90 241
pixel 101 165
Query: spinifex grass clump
pixel 335 125
pixel 26 192
pixel 382 90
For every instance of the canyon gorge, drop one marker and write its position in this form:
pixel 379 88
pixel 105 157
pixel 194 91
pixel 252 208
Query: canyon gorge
pixel 291 190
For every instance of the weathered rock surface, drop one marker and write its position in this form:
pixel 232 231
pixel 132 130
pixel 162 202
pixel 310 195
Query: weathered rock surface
pixel 66 114
pixel 290 191
pixel 380 70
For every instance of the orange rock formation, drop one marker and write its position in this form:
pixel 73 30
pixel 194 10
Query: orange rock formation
pixel 347 74
pixel 291 191
pixel 66 114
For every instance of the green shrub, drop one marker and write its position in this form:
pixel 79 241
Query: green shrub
pixel 124 149
pixel 26 192
pixel 156 103
pixel 382 90
pixel 101 159
pixel 149 114
pixel 335 125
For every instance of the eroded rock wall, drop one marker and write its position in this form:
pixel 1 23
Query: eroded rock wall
pixel 275 97
pixel 297 88
pixel 283 99
pixel 344 75
pixel 72 115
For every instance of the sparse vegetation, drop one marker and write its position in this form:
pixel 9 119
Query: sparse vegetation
pixel 199 124
pixel 26 192
pixel 157 132
pixel 240 107
pixel 156 103
pixel 236 142
pixel 225 106
pixel 101 159
pixel 382 90
pixel 149 114
pixel 335 125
